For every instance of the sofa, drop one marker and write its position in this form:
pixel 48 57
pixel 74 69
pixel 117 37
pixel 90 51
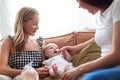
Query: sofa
pixel 89 53
pixel 72 38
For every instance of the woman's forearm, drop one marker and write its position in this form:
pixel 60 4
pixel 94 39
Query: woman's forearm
pixel 82 45
pixel 100 63
pixel 9 71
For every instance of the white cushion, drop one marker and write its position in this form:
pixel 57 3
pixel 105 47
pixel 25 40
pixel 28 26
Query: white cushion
pixel 4 77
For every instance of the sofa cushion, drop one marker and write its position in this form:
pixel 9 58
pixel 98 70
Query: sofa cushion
pixel 83 36
pixel 63 40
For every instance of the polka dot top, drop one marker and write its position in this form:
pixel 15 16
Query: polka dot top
pixel 20 58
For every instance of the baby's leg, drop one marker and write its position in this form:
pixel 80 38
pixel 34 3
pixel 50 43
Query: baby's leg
pixel 51 72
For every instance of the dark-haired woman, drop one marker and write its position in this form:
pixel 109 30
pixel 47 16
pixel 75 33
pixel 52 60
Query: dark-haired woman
pixel 106 36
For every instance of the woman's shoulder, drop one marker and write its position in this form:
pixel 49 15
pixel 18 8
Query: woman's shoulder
pixel 6 40
pixel 40 39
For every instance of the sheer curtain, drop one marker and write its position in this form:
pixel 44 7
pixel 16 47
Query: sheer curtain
pixel 57 17
pixel 5 23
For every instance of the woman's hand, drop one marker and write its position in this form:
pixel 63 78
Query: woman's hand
pixel 67 55
pixel 70 49
pixel 72 74
pixel 43 72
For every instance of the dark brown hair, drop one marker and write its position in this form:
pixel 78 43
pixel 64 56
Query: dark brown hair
pixel 104 4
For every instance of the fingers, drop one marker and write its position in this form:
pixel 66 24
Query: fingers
pixel 43 70
pixel 63 48
pixel 46 67
pixel 65 77
pixel 55 69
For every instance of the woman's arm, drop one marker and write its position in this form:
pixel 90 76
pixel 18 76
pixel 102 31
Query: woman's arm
pixel 4 58
pixel 82 45
pixel 110 60
pixel 75 49
pixel 67 55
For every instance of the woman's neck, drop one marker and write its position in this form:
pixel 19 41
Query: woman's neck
pixel 26 37
pixel 102 10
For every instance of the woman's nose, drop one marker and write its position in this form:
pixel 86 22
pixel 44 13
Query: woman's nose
pixel 79 6
pixel 78 3
pixel 37 27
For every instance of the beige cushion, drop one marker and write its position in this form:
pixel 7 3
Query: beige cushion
pixel 83 36
pixel 63 40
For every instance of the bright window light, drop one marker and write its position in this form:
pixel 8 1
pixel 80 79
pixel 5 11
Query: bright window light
pixel 57 17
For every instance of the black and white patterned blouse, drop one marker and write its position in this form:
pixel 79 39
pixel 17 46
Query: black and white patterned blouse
pixel 20 58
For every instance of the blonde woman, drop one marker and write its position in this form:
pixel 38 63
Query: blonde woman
pixel 22 48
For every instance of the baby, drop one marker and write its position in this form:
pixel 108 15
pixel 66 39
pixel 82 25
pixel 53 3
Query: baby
pixel 58 61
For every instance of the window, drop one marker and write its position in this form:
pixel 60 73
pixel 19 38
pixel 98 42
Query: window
pixel 57 17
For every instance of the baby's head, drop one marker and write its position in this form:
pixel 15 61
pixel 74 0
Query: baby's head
pixel 51 50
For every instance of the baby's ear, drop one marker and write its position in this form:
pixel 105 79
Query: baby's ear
pixel 46 55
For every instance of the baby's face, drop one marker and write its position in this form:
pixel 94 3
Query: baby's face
pixel 52 50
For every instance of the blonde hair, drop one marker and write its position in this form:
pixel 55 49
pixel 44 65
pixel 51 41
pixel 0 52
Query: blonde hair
pixel 25 14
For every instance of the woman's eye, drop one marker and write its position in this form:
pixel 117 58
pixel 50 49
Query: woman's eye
pixel 34 24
